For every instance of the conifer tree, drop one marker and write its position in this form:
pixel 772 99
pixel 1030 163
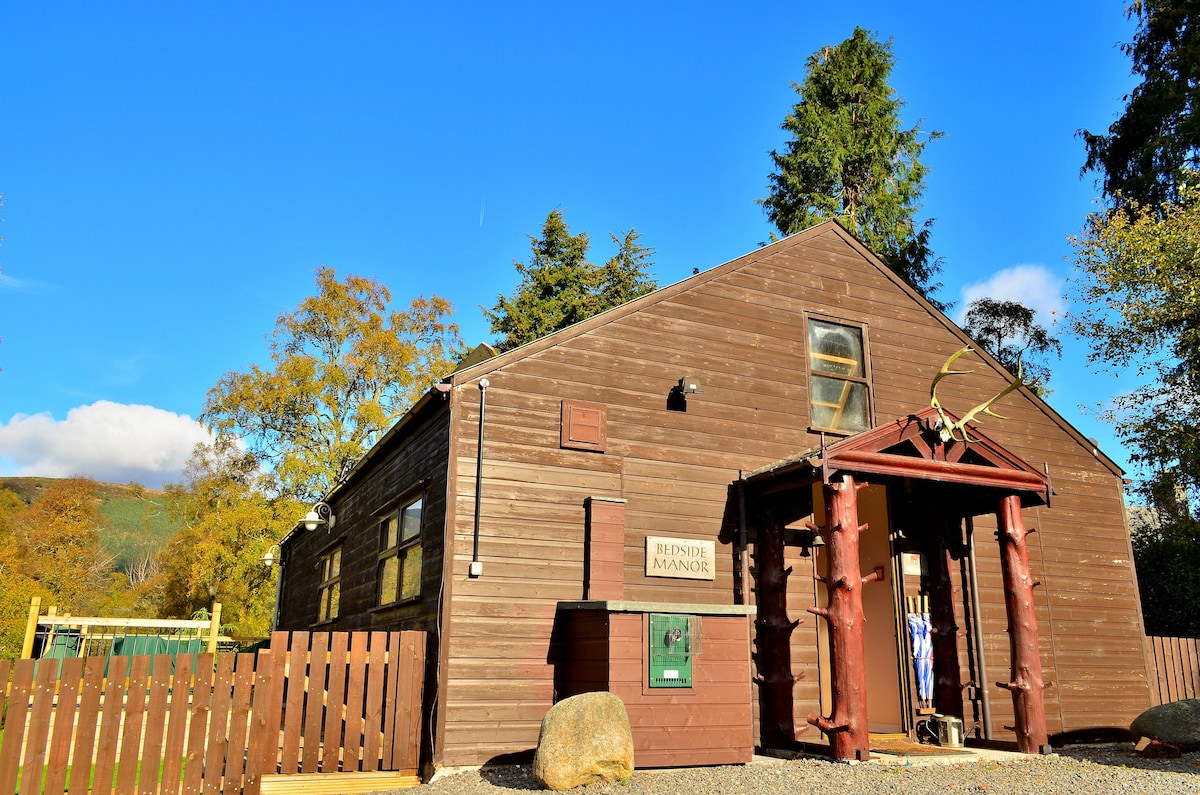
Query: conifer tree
pixel 1146 151
pixel 849 159
pixel 1009 331
pixel 560 287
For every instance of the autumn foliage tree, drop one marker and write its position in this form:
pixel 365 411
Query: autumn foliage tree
pixel 231 515
pixel 560 287
pixel 345 366
pixel 50 549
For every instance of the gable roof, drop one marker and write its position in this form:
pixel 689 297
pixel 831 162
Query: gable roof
pixel 481 369
pixel 909 447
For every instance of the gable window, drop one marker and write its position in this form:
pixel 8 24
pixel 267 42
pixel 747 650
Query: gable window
pixel 329 594
pixel 400 553
pixel 839 387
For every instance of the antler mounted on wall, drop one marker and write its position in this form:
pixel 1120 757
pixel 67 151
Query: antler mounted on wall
pixel 949 430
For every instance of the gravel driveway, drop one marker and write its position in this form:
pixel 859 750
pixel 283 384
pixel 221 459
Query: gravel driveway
pixel 1079 769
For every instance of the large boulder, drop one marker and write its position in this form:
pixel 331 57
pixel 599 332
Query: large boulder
pixel 584 739
pixel 1177 723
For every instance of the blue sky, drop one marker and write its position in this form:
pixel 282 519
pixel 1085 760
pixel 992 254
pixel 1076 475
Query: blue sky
pixel 173 173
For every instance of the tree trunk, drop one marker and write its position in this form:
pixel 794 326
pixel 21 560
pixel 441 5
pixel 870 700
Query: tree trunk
pixel 1025 683
pixel 847 723
pixel 775 639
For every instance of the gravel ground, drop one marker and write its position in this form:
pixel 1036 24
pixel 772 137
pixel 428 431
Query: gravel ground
pixel 1080 769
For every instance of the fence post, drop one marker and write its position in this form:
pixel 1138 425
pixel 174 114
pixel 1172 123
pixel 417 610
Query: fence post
pixel 214 628
pixel 35 609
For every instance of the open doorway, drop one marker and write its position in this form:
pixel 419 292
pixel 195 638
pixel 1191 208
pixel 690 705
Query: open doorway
pixel 886 713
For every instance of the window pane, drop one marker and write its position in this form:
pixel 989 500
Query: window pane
pixel 388 534
pixel 838 405
pixel 389 579
pixel 835 349
pixel 334 564
pixel 412 573
pixel 329 598
pixel 412 521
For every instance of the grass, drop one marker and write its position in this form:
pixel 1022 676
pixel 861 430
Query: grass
pixel 136 520
pixel 92 776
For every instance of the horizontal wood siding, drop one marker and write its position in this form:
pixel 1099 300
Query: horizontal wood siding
pixel 708 724
pixel 401 468
pixel 740 330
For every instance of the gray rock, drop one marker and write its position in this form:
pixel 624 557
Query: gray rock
pixel 1177 723
pixel 584 739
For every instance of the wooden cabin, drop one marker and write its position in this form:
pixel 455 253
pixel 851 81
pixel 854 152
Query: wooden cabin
pixel 672 500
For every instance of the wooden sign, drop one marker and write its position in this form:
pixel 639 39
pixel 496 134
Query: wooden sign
pixel 683 558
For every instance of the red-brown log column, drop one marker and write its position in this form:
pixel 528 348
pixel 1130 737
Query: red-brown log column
pixel 774 634
pixel 1026 682
pixel 847 723
pixel 947 696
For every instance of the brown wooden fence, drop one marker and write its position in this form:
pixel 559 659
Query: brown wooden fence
pixel 1177 662
pixel 321 702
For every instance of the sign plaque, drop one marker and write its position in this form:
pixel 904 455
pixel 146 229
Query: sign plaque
pixel 683 558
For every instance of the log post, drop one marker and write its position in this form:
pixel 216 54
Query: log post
pixel 1025 682
pixel 774 633
pixel 847 723
pixel 947 695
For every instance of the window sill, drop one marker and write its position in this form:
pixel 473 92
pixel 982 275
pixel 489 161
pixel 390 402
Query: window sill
pixel 412 600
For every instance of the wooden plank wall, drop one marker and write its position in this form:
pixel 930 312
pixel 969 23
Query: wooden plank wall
pixel 742 332
pixel 1177 668
pixel 400 471
pixel 711 724
pixel 707 724
pixel 213 723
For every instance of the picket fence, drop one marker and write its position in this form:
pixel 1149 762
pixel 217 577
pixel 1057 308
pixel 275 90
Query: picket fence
pixel 313 703
pixel 1177 663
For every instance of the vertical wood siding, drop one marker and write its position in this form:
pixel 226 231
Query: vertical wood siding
pixel 213 723
pixel 1177 668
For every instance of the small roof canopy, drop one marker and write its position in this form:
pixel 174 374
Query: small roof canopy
pixel 911 450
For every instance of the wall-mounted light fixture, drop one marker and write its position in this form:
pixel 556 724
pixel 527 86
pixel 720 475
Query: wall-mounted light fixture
pixel 677 397
pixel 272 556
pixel 321 515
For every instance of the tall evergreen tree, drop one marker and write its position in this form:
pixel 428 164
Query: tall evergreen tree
pixel 1145 151
pixel 849 159
pixel 560 287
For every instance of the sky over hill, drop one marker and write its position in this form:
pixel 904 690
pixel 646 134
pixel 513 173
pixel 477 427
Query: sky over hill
pixel 174 173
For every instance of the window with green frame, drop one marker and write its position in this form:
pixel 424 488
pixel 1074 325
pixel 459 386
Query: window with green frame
pixel 400 553
pixel 839 386
pixel 329 594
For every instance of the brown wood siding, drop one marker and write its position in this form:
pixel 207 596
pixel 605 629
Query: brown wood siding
pixel 708 724
pixel 740 330
pixel 421 458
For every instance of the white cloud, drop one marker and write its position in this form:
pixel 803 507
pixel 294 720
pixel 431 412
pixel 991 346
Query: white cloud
pixel 111 442
pixel 1035 286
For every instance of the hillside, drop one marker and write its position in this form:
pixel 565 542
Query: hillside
pixel 136 520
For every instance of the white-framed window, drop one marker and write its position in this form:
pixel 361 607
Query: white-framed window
pixel 839 377
pixel 400 553
pixel 329 594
